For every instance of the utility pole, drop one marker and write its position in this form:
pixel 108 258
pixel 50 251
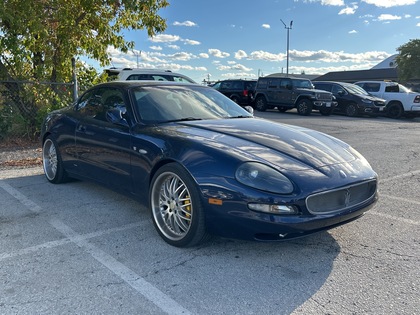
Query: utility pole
pixel 288 28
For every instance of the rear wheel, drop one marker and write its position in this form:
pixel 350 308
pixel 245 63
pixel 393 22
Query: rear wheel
pixel 235 99
pixel 52 163
pixel 177 211
pixel 304 107
pixel 395 110
pixel 351 110
pixel 261 104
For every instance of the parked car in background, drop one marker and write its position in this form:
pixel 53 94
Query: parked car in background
pixel 204 165
pixel 240 91
pixel 400 101
pixel 138 74
pixel 286 93
pixel 352 99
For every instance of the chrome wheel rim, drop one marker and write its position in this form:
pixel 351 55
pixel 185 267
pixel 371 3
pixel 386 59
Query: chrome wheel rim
pixel 171 206
pixel 49 159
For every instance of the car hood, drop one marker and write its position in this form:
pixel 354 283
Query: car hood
pixel 288 147
pixel 370 97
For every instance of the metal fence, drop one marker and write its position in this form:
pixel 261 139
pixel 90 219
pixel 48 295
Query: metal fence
pixel 24 104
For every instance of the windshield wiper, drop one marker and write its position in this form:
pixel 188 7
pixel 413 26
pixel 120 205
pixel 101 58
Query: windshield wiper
pixel 183 119
pixel 240 116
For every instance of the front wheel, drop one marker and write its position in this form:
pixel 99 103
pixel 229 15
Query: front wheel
pixel 52 163
pixel 304 107
pixel 177 212
pixel 351 110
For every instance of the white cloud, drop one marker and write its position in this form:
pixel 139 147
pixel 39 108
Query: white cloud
pixel 267 56
pixel 353 32
pixel 176 47
pixel 191 42
pixel 348 10
pixel 164 38
pixel 155 48
pixel 418 24
pixel 388 17
pixel 333 2
pixel 240 54
pixel 204 55
pixel 239 75
pixel 185 23
pixel 265 26
pixel 183 56
pixel 390 3
pixel 218 54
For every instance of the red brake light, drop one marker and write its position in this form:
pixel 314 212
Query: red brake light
pixel 245 92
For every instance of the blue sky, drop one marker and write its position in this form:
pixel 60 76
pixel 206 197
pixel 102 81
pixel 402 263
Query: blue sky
pixel 222 39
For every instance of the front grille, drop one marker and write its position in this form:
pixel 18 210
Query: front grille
pixel 325 97
pixel 341 199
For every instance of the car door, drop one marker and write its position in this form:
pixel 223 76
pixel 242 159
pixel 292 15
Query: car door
pixel 103 144
pixel 286 92
pixel 341 96
pixel 273 93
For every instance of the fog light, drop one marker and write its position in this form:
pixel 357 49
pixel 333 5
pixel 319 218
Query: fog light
pixel 274 209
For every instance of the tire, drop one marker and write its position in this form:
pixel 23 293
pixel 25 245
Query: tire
pixel 52 163
pixel 304 107
pixel 177 211
pixel 261 104
pixel 351 110
pixel 325 111
pixel 395 110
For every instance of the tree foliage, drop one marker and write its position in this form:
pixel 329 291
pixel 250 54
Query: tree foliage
pixel 408 60
pixel 38 39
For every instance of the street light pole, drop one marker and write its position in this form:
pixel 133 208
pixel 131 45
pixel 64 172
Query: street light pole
pixel 287 56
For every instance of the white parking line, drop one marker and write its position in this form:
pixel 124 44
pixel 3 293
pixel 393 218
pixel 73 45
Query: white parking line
pixel 153 294
pixel 409 174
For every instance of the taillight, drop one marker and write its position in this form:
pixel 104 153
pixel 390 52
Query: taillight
pixel 245 92
pixel 417 99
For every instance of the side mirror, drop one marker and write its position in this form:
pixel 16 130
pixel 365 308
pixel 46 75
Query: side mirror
pixel 116 116
pixel 249 109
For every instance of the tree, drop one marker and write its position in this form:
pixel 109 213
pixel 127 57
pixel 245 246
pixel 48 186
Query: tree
pixel 408 60
pixel 38 39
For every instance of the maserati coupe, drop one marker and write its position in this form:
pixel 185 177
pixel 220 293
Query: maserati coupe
pixel 203 165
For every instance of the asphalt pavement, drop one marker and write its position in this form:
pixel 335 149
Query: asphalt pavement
pixel 78 248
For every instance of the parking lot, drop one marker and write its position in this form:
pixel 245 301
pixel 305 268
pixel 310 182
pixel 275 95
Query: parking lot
pixel 78 248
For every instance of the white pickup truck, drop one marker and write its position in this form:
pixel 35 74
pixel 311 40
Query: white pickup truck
pixel 400 101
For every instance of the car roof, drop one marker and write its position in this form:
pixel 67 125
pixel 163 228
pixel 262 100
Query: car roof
pixel 135 83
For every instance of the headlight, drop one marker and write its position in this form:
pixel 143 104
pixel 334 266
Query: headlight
pixel 263 177
pixel 364 100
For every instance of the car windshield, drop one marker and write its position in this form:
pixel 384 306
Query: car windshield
pixel 355 89
pixel 305 84
pixel 404 89
pixel 177 103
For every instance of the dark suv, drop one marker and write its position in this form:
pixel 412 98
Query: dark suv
pixel 352 99
pixel 286 93
pixel 239 91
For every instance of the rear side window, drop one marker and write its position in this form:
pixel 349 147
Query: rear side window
pixel 274 84
pixel 262 83
pixel 392 88
pixel 371 87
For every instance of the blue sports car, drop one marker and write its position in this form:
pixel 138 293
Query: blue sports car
pixel 204 165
